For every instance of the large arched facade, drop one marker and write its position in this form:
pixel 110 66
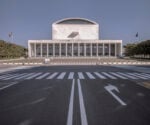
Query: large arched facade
pixel 75 37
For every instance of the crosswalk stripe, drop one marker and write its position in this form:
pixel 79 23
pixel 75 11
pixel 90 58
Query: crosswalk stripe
pixel 52 76
pixel 6 76
pixel 115 74
pixel 145 74
pixel 24 76
pixel 80 74
pixel 62 75
pixel 99 75
pixel 71 75
pixel 136 75
pixel 33 76
pixel 90 75
pixel 127 75
pixel 108 75
pixel 42 76
pixel 14 76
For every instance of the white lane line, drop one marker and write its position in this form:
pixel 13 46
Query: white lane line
pixel 9 85
pixel 24 76
pixel 82 107
pixel 115 74
pixel 108 75
pixel 144 75
pixel 33 76
pixel 52 76
pixel 90 75
pixel 42 76
pixel 62 75
pixel 139 76
pixel 99 75
pixel 129 76
pixel 71 75
pixel 80 74
pixel 70 111
pixel 14 76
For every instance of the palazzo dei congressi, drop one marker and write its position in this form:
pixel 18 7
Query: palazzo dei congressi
pixel 75 37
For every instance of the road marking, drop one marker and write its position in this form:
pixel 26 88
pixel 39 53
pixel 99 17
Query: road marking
pixel 80 74
pixel 109 88
pixel 133 75
pixel 71 75
pixel 70 111
pixel 52 76
pixel 14 76
pixel 33 76
pixel 99 75
pixel 136 75
pixel 42 76
pixel 6 76
pixel 145 74
pixel 90 75
pixel 129 76
pixel 21 77
pixel 115 74
pixel 82 107
pixel 62 75
pixel 9 85
pixel 110 76
pixel 140 76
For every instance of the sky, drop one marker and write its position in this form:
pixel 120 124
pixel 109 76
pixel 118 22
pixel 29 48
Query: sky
pixel 32 19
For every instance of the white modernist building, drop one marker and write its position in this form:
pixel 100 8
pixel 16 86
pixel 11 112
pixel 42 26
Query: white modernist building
pixel 75 37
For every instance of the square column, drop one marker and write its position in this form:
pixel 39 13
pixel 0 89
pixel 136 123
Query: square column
pixel 91 50
pixel 103 49
pixel 78 49
pixel 66 49
pixel 85 49
pixel 60 49
pixel 97 49
pixel 115 49
pixel 34 49
pixel 120 49
pixel 109 48
pixel 72 49
pixel 53 49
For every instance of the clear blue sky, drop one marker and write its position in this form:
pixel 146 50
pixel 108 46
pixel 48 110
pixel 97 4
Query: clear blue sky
pixel 32 19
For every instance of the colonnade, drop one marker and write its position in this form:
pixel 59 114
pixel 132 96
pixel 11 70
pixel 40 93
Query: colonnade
pixel 74 49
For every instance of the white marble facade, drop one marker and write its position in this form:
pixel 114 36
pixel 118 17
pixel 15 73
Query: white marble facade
pixel 75 37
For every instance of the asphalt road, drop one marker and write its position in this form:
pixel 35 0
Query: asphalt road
pixel 74 95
